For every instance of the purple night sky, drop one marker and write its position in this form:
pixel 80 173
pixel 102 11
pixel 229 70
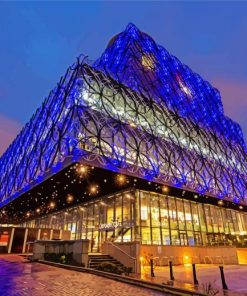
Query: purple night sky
pixel 40 40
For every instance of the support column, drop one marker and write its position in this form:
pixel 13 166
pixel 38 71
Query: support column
pixel 25 241
pixel 60 234
pixel 79 230
pixel 38 234
pixel 51 234
pixel 11 240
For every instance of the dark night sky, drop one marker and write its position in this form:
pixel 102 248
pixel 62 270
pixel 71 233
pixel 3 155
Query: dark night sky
pixel 39 40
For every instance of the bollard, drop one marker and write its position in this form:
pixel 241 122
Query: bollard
pixel 171 271
pixel 194 274
pixel 224 285
pixel 152 267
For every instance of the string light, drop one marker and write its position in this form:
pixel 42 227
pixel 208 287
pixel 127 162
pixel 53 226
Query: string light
pixel 121 180
pixel 93 189
pixel 52 205
pixel 165 189
pixel 82 171
pixel 220 202
pixel 69 198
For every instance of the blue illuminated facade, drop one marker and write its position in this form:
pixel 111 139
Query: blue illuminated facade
pixel 136 110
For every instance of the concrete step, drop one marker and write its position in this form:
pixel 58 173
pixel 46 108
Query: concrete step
pixel 99 256
pixel 96 259
pixel 96 265
pixel 101 259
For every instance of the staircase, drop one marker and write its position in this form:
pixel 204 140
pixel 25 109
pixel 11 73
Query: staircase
pixel 95 259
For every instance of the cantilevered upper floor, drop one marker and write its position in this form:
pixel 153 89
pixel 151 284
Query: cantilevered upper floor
pixel 136 110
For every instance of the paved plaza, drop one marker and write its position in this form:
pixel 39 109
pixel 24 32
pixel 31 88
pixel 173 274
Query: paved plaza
pixel 235 276
pixel 20 278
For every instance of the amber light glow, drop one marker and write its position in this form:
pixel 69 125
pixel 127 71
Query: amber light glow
pixel 186 260
pixel 147 62
pixel 220 202
pixel 165 189
pixel 82 171
pixel 94 189
pixel 52 205
pixel 121 180
pixel 69 198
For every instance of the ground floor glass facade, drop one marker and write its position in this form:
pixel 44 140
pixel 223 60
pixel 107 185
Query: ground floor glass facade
pixel 151 218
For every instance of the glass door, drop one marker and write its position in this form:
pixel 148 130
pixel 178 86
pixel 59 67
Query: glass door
pixel 183 238
pixel 198 239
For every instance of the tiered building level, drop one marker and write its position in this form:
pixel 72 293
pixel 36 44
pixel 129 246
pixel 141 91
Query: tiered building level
pixel 132 146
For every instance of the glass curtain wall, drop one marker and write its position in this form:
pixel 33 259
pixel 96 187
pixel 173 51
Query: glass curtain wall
pixel 150 218
pixel 166 220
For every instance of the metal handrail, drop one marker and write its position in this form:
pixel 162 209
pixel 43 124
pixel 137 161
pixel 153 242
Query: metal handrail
pixel 133 258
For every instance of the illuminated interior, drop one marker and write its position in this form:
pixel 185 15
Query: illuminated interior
pixel 152 219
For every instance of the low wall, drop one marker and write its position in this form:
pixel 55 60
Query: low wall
pixel 189 254
pixel 177 254
pixel 20 239
pixel 242 255
pixel 79 248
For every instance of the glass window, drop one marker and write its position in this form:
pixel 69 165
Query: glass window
pixel 198 239
pixel 102 213
pixel 202 218
pixel 245 221
pixel 225 220
pixel 127 235
pixel 220 221
pixel 146 237
pixel 183 238
pixel 235 222
pixel 127 202
pixel 191 240
pixel 110 211
pixel 118 207
pixel 240 222
pixel 195 216
pixel 156 236
pixel 175 238
pixel 208 218
pixel 164 212
pixel 90 221
pixel 172 213
pixel 166 236
pixel 83 223
pixel 155 211
pixel 229 220
pixel 188 216
pixel 145 209
pixel 181 217
pixel 214 217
